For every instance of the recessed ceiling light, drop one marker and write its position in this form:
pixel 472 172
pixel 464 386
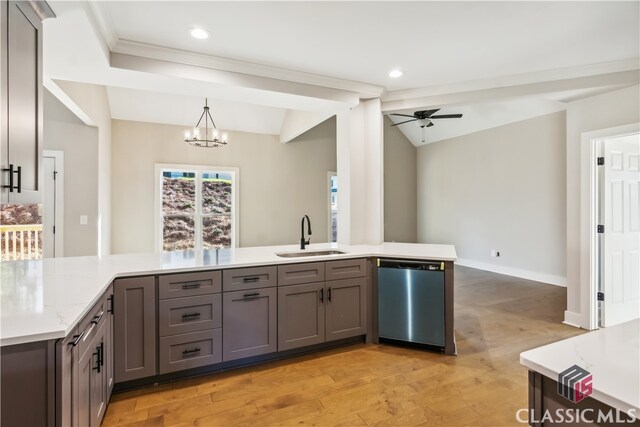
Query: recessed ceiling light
pixel 199 33
pixel 395 74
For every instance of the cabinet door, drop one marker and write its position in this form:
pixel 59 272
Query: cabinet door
pixel 134 328
pixel 83 410
pixel 249 323
pixel 346 308
pixel 98 382
pixel 301 315
pixel 67 380
pixel 108 343
pixel 24 104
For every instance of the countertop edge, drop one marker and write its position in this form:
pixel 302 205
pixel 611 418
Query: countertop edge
pixel 62 333
pixel 596 394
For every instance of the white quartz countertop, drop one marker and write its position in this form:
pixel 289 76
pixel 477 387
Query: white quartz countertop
pixel 44 299
pixel 611 355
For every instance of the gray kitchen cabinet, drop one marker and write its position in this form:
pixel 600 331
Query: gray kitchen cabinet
pixel 189 284
pixel 92 388
pixel 82 373
pixel 301 315
pixel 189 321
pixel 249 323
pixel 109 343
pixel 346 308
pixel 21 100
pixel 135 332
pixel 313 313
pixel 67 379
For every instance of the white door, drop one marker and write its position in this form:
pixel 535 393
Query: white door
pixel 53 162
pixel 621 252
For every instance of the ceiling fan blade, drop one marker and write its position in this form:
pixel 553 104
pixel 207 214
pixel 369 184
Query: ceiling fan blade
pixel 430 124
pixel 425 114
pixel 446 116
pixel 396 124
pixel 403 115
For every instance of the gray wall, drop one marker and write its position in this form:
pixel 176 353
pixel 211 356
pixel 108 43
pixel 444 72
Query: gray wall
pixel 400 186
pixel 279 183
pixel 63 131
pixel 504 189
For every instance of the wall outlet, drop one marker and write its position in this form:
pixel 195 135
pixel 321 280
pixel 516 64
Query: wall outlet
pixel 84 219
pixel 495 253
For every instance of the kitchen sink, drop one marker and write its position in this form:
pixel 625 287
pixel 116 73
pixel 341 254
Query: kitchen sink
pixel 309 253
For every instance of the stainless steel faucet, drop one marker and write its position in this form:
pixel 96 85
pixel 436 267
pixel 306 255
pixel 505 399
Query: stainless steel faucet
pixel 303 242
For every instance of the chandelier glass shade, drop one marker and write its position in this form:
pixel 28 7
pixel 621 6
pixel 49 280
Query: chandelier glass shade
pixel 208 135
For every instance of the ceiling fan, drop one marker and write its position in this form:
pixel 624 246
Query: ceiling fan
pixel 424 117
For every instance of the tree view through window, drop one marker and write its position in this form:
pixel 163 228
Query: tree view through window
pixel 196 209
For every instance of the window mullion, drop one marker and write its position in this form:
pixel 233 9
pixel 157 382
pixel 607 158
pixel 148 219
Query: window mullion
pixel 198 212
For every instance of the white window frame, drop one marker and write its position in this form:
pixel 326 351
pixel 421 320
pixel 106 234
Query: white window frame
pixel 235 181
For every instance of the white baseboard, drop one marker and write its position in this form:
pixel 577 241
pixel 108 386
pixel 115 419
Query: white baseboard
pixel 572 319
pixel 516 272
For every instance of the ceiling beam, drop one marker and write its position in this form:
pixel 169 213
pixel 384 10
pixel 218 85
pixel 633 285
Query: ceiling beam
pixel 394 102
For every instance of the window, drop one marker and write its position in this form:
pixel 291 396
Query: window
pixel 196 207
pixel 333 206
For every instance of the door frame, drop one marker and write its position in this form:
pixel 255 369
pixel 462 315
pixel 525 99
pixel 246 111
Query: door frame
pixel 59 202
pixel 590 264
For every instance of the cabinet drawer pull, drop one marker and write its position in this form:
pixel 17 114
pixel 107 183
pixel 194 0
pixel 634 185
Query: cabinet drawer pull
pixel 189 316
pixel 321 294
pixel 97 319
pixel 19 186
pixel 110 304
pixel 251 279
pixel 252 294
pixel 10 185
pixel 191 352
pixel 194 285
pixel 98 354
pixel 76 339
pixel 329 294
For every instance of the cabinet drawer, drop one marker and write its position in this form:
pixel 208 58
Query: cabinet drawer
pixel 190 350
pixel 345 269
pixel 90 324
pixel 240 279
pixel 190 314
pixel 189 284
pixel 296 274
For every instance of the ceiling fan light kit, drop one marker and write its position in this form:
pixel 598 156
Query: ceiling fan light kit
pixel 211 137
pixel 424 118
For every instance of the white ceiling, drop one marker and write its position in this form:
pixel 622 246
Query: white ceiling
pixel 433 42
pixel 264 57
pixel 156 107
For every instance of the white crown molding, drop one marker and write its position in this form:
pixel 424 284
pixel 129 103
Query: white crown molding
pixel 515 80
pixel 144 50
pixel 102 19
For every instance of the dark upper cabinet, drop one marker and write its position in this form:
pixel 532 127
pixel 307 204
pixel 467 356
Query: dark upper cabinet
pixel 135 332
pixel 21 100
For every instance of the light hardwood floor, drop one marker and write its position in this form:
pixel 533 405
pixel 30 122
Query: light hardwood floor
pixel 497 317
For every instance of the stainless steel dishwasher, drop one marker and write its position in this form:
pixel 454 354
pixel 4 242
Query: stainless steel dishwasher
pixel 411 305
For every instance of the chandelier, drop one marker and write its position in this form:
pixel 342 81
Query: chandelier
pixel 207 137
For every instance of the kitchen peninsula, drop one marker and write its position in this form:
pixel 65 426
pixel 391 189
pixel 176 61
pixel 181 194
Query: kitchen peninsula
pixel 58 320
